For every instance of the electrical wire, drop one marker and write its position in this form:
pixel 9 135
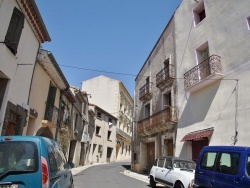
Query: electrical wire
pixel 127 74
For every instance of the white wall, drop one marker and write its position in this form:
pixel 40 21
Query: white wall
pixel 104 92
pixel 225 30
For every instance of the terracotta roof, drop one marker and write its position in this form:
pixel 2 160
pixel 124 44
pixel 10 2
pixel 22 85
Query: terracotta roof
pixel 33 15
pixel 197 135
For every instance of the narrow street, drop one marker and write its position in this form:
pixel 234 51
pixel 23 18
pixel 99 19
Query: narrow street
pixel 107 175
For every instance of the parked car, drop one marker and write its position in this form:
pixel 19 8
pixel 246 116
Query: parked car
pixel 223 166
pixel 33 162
pixel 172 172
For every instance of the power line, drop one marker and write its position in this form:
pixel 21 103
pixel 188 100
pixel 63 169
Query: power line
pixel 95 70
pixel 128 74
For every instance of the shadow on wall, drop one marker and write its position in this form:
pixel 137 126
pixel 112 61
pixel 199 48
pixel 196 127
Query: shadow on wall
pixel 198 105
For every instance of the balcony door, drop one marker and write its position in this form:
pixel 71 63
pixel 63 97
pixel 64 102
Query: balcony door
pixel 204 65
pixel 50 103
pixel 147 110
pixel 167 100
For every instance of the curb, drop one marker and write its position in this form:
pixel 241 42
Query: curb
pixel 134 175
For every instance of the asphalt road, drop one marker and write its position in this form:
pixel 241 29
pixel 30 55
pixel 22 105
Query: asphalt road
pixel 107 176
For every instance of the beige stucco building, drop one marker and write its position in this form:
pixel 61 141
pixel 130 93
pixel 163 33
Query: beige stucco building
pixel 112 96
pixel 102 146
pixel 21 33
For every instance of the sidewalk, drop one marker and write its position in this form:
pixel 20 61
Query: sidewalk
pixel 136 175
pixel 129 173
pixel 81 168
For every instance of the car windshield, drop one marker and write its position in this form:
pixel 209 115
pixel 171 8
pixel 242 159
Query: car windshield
pixel 182 164
pixel 18 157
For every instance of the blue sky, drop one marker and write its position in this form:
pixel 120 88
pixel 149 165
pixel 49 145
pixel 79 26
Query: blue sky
pixel 97 37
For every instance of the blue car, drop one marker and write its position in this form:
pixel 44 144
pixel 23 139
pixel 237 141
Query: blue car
pixel 33 162
pixel 223 166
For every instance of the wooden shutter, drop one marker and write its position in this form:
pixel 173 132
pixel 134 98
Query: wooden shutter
pixel 14 31
pixel 50 102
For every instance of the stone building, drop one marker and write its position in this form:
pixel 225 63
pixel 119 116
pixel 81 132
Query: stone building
pixel 155 103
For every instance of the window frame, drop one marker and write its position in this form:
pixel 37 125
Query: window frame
pixel 197 10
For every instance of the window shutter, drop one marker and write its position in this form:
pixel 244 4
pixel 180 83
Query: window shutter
pixel 14 31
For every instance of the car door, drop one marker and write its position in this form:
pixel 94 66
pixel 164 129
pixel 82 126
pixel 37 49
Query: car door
pixel 159 169
pixel 167 173
pixel 245 170
pixel 226 169
pixel 205 169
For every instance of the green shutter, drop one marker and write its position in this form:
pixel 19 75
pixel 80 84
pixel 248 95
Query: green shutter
pixel 14 32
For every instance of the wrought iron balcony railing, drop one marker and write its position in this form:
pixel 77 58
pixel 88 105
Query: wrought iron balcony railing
pixel 165 77
pixel 52 115
pixel 160 121
pixel 145 92
pixel 208 69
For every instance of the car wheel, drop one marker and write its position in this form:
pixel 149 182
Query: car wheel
pixel 178 185
pixel 152 182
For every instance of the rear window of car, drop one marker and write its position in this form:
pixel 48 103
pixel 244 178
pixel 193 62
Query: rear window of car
pixel 18 156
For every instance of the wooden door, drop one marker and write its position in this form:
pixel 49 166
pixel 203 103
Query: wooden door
pixel 150 155
pixel 197 147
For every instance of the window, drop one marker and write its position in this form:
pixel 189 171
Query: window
pixel 208 160
pixel 248 165
pixel 14 31
pixel 110 120
pixel 228 163
pixel 147 110
pixel 99 115
pixel 168 164
pixel 161 162
pixel 109 133
pixel 97 130
pixel 155 163
pixel 199 13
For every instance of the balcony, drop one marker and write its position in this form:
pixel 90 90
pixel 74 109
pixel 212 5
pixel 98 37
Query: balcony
pixel 145 92
pixel 204 74
pixel 165 77
pixel 51 116
pixel 161 121
pixel 123 134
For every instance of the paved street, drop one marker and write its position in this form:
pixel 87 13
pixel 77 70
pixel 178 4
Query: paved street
pixel 113 175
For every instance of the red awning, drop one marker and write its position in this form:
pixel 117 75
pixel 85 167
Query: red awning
pixel 197 135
